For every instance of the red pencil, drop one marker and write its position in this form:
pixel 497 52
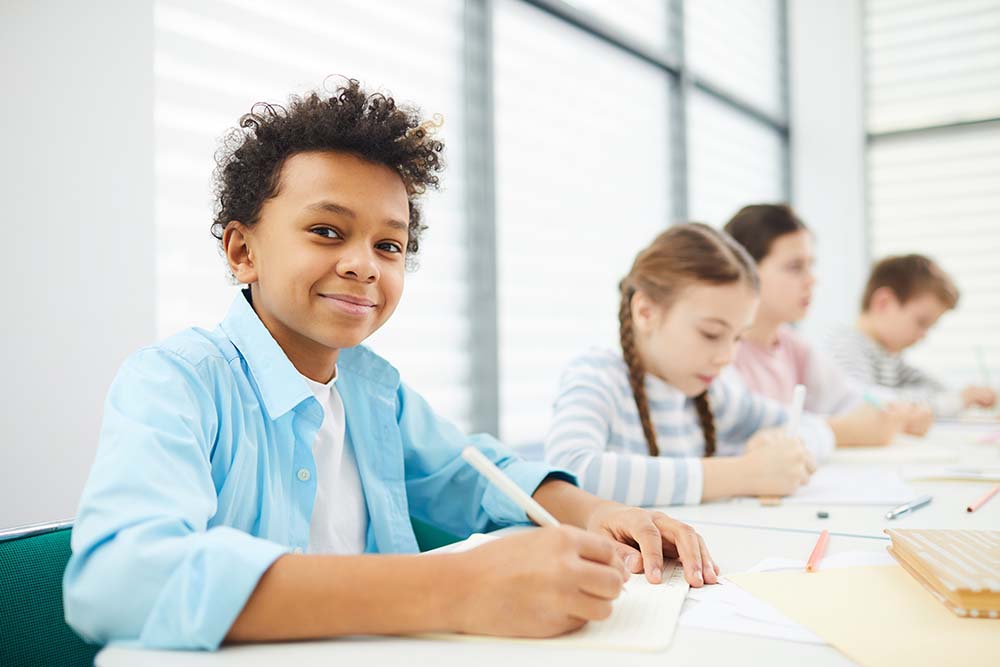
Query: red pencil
pixel 817 553
pixel 982 501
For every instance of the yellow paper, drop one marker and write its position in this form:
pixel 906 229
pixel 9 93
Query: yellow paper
pixel 878 616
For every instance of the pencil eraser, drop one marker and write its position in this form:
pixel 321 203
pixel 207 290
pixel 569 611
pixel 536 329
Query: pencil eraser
pixel 822 515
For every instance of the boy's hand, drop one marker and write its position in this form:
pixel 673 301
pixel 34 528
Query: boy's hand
pixel 978 397
pixel 539 583
pixel 645 537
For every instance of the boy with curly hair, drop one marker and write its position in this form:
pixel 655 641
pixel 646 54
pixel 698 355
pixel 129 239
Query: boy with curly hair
pixel 247 476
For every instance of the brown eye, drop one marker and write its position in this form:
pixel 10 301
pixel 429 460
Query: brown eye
pixel 326 232
pixel 390 246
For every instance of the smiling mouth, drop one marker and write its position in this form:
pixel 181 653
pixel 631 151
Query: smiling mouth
pixel 706 379
pixel 348 304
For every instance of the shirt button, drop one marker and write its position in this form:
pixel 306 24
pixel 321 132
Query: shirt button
pixel 304 475
pixel 297 550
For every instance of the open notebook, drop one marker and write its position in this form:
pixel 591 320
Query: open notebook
pixel 643 619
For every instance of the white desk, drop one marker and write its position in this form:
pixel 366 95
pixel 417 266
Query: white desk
pixel 947 510
pixel 788 531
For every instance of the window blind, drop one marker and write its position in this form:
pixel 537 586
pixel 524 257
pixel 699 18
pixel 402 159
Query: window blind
pixel 582 152
pixel 736 45
pixel 644 20
pixel 733 160
pixel 934 185
pixel 215 58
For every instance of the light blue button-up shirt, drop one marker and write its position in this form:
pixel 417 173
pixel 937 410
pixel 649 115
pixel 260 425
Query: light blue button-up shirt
pixel 205 475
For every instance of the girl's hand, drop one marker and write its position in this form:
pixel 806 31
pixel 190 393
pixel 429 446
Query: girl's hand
pixel 539 583
pixel 644 537
pixel 980 397
pixel 777 463
pixel 918 419
pixel 893 418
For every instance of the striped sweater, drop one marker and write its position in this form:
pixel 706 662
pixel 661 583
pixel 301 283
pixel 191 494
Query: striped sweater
pixel 868 363
pixel 596 433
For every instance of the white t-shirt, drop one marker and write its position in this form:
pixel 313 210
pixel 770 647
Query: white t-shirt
pixel 340 517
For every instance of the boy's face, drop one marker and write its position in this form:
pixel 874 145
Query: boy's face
pixel 901 325
pixel 786 278
pixel 694 338
pixel 326 260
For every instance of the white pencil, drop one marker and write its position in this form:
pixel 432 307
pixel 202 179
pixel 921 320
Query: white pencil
pixel 506 485
pixel 798 400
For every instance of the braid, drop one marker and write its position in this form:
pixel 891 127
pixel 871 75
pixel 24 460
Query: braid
pixel 704 409
pixel 636 374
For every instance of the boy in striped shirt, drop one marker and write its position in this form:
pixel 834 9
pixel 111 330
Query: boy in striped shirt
pixel 905 296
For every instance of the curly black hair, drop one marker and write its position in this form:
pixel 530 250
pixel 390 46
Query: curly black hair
pixel 372 127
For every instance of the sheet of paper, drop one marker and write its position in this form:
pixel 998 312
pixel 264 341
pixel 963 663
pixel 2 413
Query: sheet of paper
pixel 473 541
pixel 954 473
pixel 849 485
pixel 643 618
pixel 729 608
pixel 904 449
pixel 974 416
pixel 878 616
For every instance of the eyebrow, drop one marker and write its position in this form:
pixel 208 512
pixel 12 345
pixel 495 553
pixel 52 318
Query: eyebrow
pixel 334 207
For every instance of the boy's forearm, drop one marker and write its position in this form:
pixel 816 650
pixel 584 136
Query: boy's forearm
pixel 308 597
pixel 567 503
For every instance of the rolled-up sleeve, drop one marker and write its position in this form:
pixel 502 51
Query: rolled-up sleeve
pixel 444 490
pixel 146 567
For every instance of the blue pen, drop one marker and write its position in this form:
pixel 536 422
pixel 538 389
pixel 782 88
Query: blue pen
pixel 909 507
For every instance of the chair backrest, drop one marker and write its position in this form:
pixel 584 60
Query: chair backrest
pixel 33 630
pixel 430 537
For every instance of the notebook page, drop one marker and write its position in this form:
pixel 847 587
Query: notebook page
pixel 643 618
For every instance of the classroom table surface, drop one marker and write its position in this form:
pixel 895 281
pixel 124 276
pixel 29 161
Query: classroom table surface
pixel 739 534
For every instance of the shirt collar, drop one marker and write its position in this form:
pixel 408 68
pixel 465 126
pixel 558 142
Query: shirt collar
pixel 280 385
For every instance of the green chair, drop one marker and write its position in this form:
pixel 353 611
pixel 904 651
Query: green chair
pixel 33 630
pixel 430 537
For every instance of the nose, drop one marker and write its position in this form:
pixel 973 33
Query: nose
pixel 358 263
pixel 725 355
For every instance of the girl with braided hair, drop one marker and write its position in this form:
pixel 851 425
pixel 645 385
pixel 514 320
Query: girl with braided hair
pixel 664 421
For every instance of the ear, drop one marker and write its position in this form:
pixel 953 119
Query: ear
pixel 644 312
pixel 237 244
pixel 883 299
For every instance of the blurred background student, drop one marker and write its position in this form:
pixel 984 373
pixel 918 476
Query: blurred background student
pixel 905 296
pixel 773 357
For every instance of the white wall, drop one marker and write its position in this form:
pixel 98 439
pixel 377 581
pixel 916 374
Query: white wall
pixel 77 274
pixel 827 121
